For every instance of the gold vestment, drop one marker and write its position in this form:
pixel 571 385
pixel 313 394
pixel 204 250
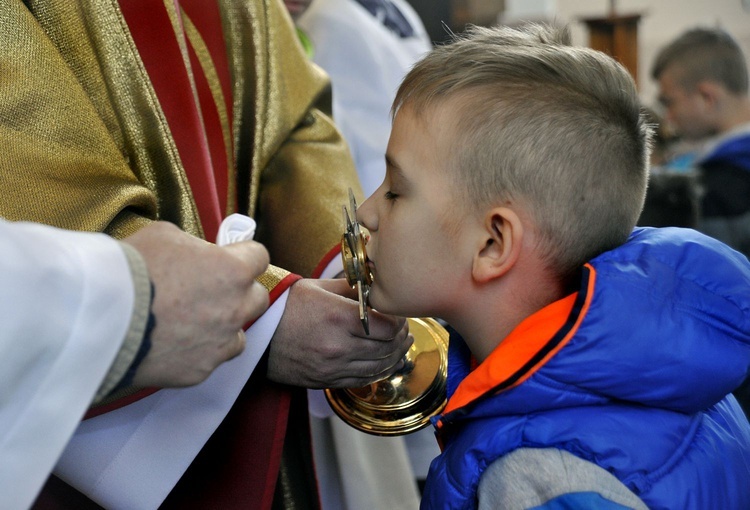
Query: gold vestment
pixel 86 144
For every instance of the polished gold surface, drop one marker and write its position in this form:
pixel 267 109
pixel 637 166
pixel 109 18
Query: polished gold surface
pixel 405 401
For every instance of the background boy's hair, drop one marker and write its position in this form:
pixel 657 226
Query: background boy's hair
pixel 553 128
pixel 704 54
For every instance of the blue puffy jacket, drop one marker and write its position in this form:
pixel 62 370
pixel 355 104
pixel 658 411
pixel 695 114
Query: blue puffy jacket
pixel 631 373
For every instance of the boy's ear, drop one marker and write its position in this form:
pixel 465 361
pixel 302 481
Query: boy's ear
pixel 503 236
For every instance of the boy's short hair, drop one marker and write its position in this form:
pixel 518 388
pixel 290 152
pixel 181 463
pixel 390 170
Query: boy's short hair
pixel 704 54
pixel 539 123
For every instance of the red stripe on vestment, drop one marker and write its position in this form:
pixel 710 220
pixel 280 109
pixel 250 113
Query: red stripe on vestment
pixel 326 260
pixel 154 36
pixel 206 18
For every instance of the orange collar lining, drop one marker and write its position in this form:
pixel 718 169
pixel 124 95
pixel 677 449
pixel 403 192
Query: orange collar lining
pixel 529 346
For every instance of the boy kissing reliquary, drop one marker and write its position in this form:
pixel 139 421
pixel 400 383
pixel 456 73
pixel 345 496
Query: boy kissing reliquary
pixel 406 400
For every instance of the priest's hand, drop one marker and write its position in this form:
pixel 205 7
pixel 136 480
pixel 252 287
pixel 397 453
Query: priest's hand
pixel 320 341
pixel 204 295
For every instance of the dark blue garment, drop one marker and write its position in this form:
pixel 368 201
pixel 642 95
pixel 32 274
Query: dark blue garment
pixel 389 15
pixel 735 151
pixel 640 388
pixel 726 178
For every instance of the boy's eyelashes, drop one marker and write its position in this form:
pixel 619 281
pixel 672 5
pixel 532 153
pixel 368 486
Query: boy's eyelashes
pixel 389 195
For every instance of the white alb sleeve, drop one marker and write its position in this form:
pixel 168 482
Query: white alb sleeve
pixel 65 303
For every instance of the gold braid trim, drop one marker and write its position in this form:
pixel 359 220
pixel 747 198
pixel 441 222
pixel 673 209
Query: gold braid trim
pixel 272 277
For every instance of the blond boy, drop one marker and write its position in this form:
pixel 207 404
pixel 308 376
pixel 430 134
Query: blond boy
pixel 590 363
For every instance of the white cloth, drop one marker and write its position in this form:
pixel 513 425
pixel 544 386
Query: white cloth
pixel 358 471
pixel 132 457
pixel 234 229
pixel 66 301
pixel 366 63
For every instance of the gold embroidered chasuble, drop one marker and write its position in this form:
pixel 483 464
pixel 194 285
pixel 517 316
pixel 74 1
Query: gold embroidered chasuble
pixel 88 145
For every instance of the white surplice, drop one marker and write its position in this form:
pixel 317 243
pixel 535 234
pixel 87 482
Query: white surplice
pixel 66 301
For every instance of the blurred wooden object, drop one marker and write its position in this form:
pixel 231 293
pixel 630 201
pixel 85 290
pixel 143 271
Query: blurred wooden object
pixel 616 36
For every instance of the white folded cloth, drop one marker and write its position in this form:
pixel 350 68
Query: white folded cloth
pixel 235 228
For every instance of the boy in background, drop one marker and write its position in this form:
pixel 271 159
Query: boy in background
pixel 590 363
pixel 703 87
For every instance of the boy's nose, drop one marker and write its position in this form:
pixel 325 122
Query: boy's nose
pixel 366 214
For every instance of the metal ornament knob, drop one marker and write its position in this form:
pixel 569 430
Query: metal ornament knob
pixel 405 401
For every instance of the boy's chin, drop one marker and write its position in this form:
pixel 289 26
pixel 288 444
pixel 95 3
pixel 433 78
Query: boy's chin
pixel 377 302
